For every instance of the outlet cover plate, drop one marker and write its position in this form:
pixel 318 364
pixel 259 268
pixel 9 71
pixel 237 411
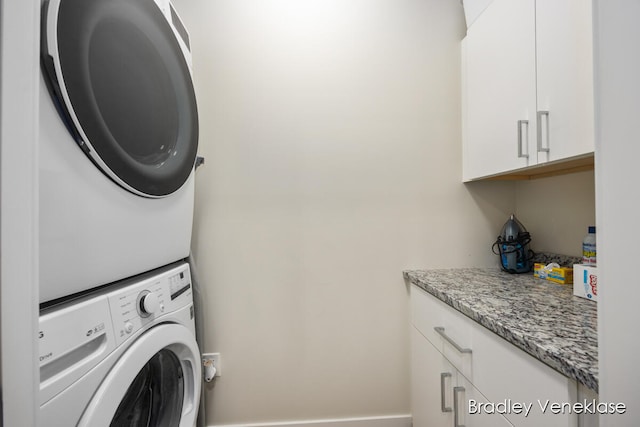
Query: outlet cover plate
pixel 216 361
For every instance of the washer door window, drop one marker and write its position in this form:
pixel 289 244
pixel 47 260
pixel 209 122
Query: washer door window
pixel 156 382
pixel 118 73
pixel 155 396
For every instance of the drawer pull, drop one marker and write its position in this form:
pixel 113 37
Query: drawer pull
pixel 523 124
pixel 456 407
pixel 543 133
pixel 440 331
pixel 443 377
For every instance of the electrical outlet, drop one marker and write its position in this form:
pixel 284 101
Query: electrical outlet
pixel 216 361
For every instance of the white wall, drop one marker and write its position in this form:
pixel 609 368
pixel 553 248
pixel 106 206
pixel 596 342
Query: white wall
pixel 331 130
pixel 557 211
pixel 617 150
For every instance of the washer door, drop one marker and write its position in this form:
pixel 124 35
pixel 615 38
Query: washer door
pixel 119 75
pixel 156 383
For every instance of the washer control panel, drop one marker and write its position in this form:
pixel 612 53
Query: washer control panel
pixel 75 336
pixel 133 307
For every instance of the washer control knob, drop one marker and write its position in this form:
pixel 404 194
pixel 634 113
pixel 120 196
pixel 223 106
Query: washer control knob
pixel 149 304
pixel 128 327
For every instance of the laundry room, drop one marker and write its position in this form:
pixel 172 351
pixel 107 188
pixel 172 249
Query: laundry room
pixel 225 200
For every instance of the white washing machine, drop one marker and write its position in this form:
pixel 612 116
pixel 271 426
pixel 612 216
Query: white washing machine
pixel 126 357
pixel 118 142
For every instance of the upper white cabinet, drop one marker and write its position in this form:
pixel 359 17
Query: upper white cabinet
pixel 527 84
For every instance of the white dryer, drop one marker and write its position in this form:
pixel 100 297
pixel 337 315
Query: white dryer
pixel 123 357
pixel 118 142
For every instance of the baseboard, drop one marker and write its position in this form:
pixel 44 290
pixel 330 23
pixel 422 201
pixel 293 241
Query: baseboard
pixel 386 421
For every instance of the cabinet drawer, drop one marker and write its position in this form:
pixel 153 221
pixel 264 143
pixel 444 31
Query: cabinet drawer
pixel 425 314
pixel 455 331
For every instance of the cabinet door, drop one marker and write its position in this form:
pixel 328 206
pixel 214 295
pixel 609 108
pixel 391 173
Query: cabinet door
pixel 505 373
pixel 564 50
pixel 500 89
pixel 428 384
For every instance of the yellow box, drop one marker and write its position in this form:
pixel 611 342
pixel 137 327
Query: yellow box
pixel 562 275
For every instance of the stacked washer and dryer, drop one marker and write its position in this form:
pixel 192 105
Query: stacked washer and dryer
pixel 118 144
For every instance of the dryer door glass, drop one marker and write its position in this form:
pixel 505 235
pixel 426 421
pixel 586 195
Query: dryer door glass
pixel 155 397
pixel 124 89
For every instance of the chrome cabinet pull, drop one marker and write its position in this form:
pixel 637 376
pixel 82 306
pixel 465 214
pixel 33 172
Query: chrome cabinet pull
pixel 540 114
pixel 456 407
pixel 443 377
pixel 440 331
pixel 521 124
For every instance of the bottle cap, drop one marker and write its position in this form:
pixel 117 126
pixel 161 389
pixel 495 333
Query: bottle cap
pixel 592 229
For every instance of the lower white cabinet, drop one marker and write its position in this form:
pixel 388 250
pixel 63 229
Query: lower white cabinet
pixel 482 378
pixel 440 395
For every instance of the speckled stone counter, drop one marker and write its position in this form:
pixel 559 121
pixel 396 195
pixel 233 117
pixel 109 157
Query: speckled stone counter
pixel 542 318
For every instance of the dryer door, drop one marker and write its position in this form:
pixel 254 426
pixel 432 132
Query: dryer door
pixel 119 74
pixel 156 383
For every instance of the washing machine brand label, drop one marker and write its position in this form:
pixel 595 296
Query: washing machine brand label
pixel 95 329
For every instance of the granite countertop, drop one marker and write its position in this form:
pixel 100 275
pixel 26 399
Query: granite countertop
pixel 540 317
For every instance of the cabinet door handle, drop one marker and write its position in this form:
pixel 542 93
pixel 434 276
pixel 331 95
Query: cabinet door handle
pixel 521 124
pixel 540 132
pixel 456 407
pixel 443 377
pixel 440 331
